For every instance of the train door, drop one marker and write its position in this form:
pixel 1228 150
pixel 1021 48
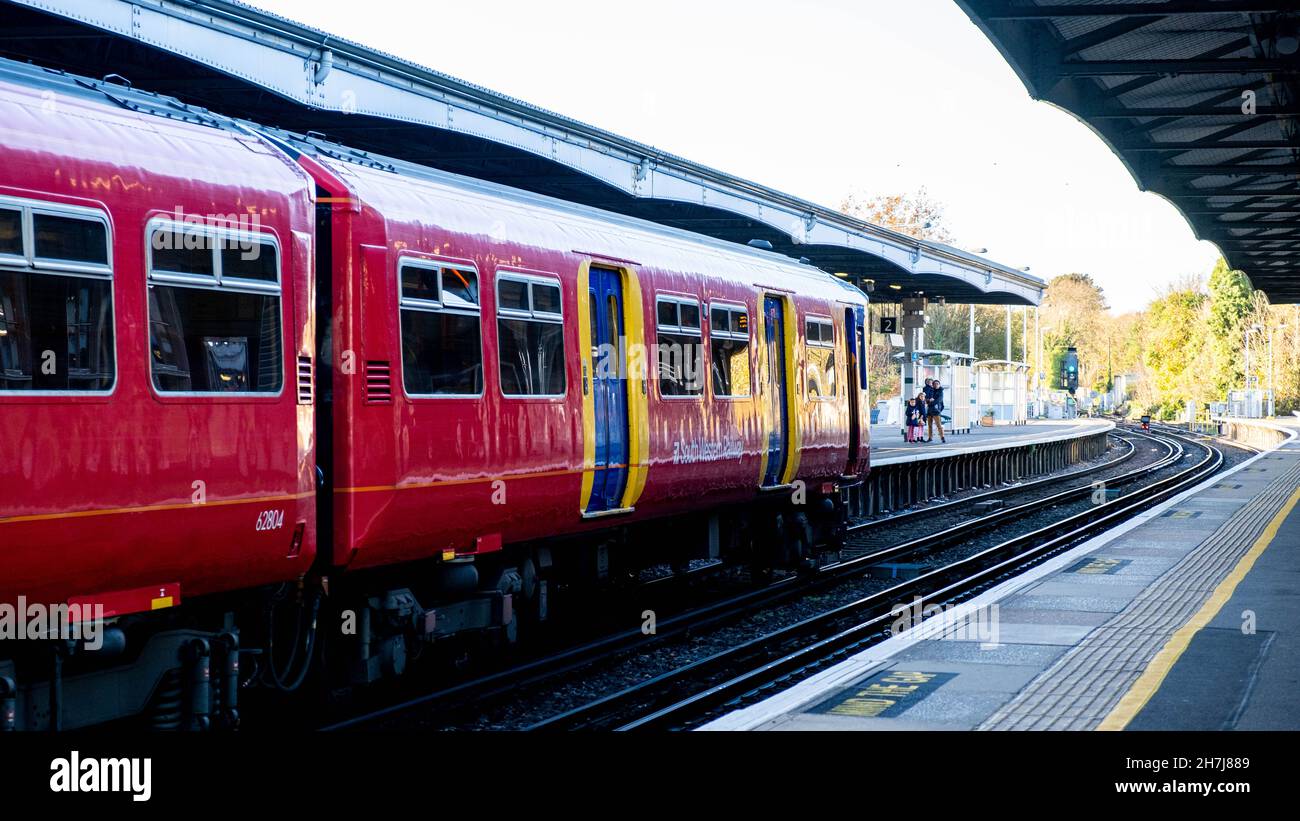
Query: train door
pixel 856 357
pixel 609 390
pixel 778 412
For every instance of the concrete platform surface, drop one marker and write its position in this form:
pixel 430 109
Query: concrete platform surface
pixel 1187 617
pixel 888 447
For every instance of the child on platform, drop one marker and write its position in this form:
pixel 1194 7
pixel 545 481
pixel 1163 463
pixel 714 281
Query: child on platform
pixel 914 420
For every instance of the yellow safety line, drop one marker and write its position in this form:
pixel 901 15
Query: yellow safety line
pixel 1154 675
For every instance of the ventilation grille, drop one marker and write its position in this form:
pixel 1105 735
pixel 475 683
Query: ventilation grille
pixel 379 382
pixel 304 380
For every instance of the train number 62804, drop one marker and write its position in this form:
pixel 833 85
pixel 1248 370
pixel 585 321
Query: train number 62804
pixel 270 520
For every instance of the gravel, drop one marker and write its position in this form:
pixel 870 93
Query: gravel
pixel 525 707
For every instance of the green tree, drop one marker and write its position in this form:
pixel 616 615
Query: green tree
pixel 1173 351
pixel 1231 304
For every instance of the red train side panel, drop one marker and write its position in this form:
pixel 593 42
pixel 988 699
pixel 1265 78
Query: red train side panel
pixel 422 472
pixel 129 465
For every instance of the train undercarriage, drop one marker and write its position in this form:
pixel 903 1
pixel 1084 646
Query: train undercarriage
pixel 192 667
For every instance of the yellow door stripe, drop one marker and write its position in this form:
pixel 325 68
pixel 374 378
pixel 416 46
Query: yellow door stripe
pixel 764 385
pixel 638 407
pixel 588 384
pixel 794 409
pixel 1154 674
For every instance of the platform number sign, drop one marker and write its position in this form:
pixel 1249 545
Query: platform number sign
pixel 889 324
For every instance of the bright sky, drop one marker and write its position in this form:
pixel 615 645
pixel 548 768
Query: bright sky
pixel 814 98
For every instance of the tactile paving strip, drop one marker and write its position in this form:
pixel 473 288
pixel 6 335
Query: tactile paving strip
pixel 1082 687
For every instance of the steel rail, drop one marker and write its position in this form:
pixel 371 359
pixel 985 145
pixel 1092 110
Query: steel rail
pixel 657 703
pixel 732 608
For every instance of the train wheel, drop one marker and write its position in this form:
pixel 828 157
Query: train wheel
pixel 531 602
pixel 799 543
pixel 768 546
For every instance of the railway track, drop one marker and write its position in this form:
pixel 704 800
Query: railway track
pixel 685 696
pixel 860 557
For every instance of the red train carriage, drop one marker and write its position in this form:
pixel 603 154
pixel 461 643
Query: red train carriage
pixel 509 368
pixel 509 391
pixel 155 282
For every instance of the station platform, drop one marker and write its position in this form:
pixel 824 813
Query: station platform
pixel 888 447
pixel 1184 618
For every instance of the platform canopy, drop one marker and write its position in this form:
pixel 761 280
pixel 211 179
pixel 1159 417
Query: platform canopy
pixel 244 62
pixel 1199 98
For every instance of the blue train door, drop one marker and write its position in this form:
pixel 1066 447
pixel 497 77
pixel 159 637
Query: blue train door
pixel 856 359
pixel 608 390
pixel 777 411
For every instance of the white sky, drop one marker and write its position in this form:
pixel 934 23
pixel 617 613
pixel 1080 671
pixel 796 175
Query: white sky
pixel 814 98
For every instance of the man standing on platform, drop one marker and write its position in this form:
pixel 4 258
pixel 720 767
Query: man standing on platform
pixel 934 407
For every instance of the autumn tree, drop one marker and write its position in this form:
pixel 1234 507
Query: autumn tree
pixel 916 214
pixel 1074 314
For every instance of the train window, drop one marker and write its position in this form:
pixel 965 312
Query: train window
pixel 729 351
pixel 56 332
pixel 442 348
pixel 530 335
pixel 513 294
pixel 214 310
pixel 11 232
pixel 459 289
pixel 820 355
pixel 70 239
pixel 420 283
pixel 248 259
pixel 690 316
pixel 56 299
pixel 680 348
pixel 721 320
pixel 180 249
pixel 546 299
pixel 667 313
pixel 819 332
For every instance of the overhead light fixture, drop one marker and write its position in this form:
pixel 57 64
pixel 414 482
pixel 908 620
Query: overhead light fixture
pixel 841 275
pixel 896 287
